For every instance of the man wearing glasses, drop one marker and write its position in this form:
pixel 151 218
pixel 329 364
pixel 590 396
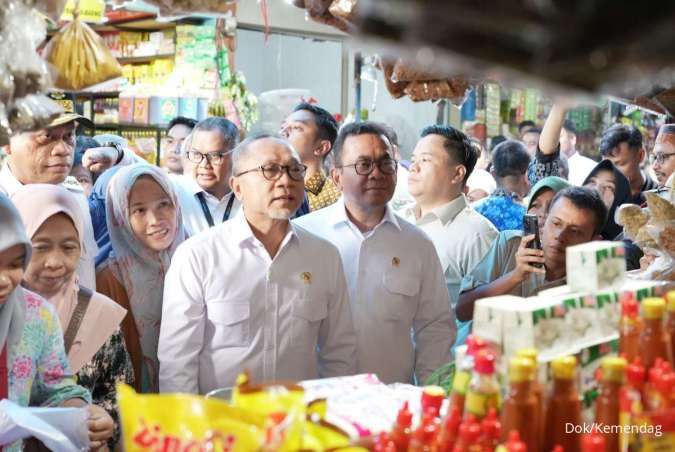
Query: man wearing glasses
pixel 395 279
pixel 663 157
pixel 207 171
pixel 256 292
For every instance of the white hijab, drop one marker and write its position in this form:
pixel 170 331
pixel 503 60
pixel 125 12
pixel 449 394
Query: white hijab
pixel 12 233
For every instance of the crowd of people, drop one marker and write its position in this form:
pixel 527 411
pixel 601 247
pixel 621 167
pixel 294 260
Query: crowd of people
pixel 315 252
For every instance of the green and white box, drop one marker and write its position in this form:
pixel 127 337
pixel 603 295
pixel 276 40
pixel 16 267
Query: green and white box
pixel 595 266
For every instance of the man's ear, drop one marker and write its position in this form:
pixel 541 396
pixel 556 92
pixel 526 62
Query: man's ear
pixel 336 175
pixel 235 186
pixel 642 154
pixel 7 149
pixel 459 177
pixel 323 148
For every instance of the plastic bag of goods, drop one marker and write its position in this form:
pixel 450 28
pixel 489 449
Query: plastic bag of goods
pixel 80 57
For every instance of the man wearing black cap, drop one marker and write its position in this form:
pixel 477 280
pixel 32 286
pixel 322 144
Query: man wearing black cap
pixel 45 156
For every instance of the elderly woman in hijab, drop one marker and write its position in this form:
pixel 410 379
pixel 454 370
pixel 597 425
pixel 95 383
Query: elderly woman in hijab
pixel 90 321
pixel 34 368
pixel 145 227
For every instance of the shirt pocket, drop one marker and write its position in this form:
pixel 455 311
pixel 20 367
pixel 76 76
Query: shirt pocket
pixel 230 322
pixel 308 313
pixel 401 290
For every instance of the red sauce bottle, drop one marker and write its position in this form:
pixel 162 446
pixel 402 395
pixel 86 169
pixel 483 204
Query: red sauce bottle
pixel 521 409
pixel 563 406
pixel 654 342
pixel 401 431
pixel 607 403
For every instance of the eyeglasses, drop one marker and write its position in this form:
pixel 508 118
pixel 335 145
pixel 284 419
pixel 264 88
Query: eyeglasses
pixel 273 171
pixel 661 157
pixel 214 158
pixel 364 167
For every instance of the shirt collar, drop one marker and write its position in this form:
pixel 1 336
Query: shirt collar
pixel 241 231
pixel 339 215
pixel 9 182
pixel 315 183
pixel 445 213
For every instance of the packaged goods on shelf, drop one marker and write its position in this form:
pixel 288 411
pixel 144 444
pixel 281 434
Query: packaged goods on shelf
pixel 595 265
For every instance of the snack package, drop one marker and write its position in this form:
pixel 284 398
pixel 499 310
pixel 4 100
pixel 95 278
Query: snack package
pixel 632 218
pixel 344 9
pixel 405 71
pixel 80 57
pixel 596 265
pixel 186 422
pixel 662 210
pixel 396 89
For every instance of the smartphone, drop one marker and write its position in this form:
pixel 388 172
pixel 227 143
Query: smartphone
pixel 531 226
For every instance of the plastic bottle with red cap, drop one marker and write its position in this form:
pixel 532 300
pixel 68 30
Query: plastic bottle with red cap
pixel 432 399
pixel 492 429
pixel 469 436
pixel 400 433
pixel 630 401
pixel 514 443
pixel 460 383
pixel 629 327
pixel 424 436
pixel 484 389
pixel 651 395
pixel 447 436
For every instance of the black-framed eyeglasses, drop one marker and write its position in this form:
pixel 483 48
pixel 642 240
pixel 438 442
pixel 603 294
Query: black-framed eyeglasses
pixel 661 157
pixel 364 167
pixel 274 171
pixel 214 158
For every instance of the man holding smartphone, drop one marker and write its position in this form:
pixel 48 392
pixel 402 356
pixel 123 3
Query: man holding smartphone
pixel 576 215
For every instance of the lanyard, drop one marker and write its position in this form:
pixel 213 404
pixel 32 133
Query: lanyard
pixel 207 212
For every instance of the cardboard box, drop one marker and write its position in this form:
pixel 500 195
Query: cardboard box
pixel 595 266
pixel 142 110
pixel 188 107
pixel 126 109
pixel 163 109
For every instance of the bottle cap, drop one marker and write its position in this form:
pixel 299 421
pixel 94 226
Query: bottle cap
pixel 485 362
pixel 564 368
pixel 653 308
pixel 474 344
pixel 665 383
pixel 593 442
pixel 469 430
pixel 529 352
pixel 492 427
pixel 521 369
pixel 629 306
pixel 404 417
pixel 670 300
pixel 432 399
pixel 613 369
pixel 514 444
pixel 635 373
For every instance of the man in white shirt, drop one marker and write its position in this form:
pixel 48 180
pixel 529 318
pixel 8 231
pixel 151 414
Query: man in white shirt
pixel 395 279
pixel 207 170
pixel 442 162
pixel 560 135
pixel 46 156
pixel 256 292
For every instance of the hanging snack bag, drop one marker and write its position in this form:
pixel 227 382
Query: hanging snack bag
pixel 80 57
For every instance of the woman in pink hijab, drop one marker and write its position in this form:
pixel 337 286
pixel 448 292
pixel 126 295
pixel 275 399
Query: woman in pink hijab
pixel 145 226
pixel 90 321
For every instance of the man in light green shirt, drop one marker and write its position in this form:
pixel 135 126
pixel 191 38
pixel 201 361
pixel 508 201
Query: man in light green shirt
pixel 576 215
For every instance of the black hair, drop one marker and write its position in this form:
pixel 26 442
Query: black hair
pixel 82 143
pixel 586 199
pixel 458 146
pixel 358 128
pixel 526 123
pixel 325 122
pixel 391 133
pixel 226 127
pixel 569 126
pixel 620 133
pixel 510 158
pixel 532 130
pixel 182 121
pixel 496 140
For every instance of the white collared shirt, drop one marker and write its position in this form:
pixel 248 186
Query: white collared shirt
pixel 194 218
pixel 86 272
pixel 396 285
pixel 229 307
pixel 462 237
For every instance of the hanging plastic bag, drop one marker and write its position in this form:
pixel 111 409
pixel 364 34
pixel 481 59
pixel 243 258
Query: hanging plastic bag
pixel 80 57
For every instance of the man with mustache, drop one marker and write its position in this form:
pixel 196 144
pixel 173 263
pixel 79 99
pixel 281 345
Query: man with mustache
pixel 256 292
pixel 395 278
pixel 576 215
pixel 46 156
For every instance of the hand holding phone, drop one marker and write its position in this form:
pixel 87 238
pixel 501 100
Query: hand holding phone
pixel 531 227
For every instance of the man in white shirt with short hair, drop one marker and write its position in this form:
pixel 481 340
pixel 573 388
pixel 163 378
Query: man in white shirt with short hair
pixel 395 279
pixel 256 292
